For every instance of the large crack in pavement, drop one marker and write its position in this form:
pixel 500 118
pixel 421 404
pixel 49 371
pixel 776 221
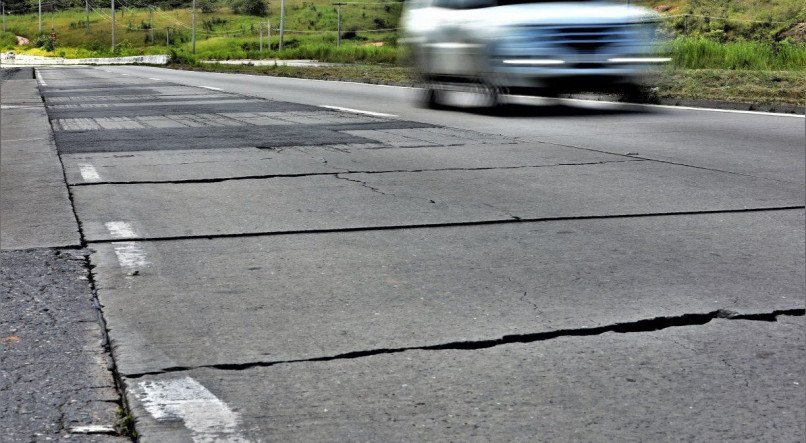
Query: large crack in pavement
pixel 637 326
pixel 443 225
pixel 344 171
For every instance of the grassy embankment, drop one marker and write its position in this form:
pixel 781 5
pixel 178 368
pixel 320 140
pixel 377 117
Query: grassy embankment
pixel 751 52
pixel 310 33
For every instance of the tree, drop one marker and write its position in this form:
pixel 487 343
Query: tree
pixel 251 7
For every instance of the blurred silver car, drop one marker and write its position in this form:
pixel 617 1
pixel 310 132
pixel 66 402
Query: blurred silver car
pixel 529 47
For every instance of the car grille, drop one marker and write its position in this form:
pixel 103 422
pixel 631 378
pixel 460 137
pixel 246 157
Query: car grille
pixel 586 39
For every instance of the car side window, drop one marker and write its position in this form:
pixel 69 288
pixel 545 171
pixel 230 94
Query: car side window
pixel 476 4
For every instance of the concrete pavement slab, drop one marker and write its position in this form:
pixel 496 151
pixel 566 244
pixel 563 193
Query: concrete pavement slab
pixel 722 381
pixel 196 164
pixel 35 208
pixel 239 300
pixel 350 201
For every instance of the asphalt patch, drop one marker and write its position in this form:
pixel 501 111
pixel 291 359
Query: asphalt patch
pixel 16 74
pixel 173 109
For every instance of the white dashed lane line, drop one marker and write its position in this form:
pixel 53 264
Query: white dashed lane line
pixel 358 111
pixel 211 88
pixel 88 173
pixel 120 229
pixel 185 400
pixel 131 256
pixel 155 79
pixel 39 78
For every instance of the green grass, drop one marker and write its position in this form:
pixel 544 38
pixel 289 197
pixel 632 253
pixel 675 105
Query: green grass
pixel 310 27
pixel 702 53
pixel 733 86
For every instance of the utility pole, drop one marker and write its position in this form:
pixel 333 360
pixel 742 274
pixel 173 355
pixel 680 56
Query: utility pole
pixel 40 16
pixel 168 36
pixel 87 13
pixel 260 26
pixel 268 34
pixel 151 22
pixel 282 23
pixel 113 25
pixel 3 5
pixel 194 26
pixel 338 18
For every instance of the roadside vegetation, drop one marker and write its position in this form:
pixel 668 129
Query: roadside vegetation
pixel 740 50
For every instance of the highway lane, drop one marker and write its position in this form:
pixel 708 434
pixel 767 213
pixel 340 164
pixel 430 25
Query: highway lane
pixel 724 140
pixel 274 269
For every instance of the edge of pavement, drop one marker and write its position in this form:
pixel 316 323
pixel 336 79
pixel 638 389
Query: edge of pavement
pixel 58 377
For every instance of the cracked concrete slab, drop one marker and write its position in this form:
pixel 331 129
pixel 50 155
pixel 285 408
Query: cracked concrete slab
pixel 726 380
pixel 196 164
pixel 299 296
pixel 350 201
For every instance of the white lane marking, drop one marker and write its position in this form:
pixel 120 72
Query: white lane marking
pixel 26 139
pixel 39 77
pixel 92 429
pixel 358 111
pixel 120 229
pixel 88 173
pixel 184 399
pixel 130 255
pixel 643 106
pixel 155 79
pixel 211 88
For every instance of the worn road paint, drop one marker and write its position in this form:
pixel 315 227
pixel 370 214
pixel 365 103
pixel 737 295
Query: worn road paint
pixel 93 429
pixel 358 111
pixel 88 173
pixel 155 79
pixel 120 229
pixel 39 78
pixel 212 88
pixel 184 399
pixel 130 255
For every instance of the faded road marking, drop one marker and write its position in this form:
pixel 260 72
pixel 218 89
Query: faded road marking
pixel 211 88
pixel 184 399
pixel 120 229
pixel 39 77
pixel 358 111
pixel 130 255
pixel 155 79
pixel 89 174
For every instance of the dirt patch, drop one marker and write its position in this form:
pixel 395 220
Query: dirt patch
pixel 796 34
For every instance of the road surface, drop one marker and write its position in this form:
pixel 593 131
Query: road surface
pixel 285 259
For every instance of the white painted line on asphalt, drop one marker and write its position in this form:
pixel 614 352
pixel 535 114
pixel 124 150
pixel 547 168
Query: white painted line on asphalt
pixel 211 88
pixel 358 111
pixel 185 400
pixel 155 79
pixel 88 173
pixel 120 229
pixel 39 78
pixel 26 139
pixel 92 429
pixel 130 255
pixel 644 105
